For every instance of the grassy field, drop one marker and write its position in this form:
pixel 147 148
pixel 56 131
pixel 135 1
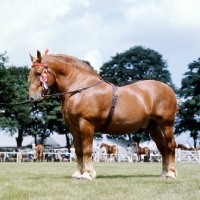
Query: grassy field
pixel 115 181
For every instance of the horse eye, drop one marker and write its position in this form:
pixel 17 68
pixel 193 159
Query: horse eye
pixel 38 74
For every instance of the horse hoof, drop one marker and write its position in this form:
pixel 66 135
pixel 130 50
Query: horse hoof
pixel 76 176
pixel 171 175
pixel 86 176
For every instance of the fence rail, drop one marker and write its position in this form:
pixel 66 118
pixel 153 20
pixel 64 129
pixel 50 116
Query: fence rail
pixel 182 156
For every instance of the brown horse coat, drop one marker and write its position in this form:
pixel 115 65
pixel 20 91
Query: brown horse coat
pixel 145 104
pixel 140 150
pixel 110 150
pixel 39 152
pixel 183 147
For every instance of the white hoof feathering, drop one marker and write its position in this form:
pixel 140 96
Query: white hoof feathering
pixel 77 175
pixel 163 174
pixel 93 174
pixel 86 176
pixel 171 175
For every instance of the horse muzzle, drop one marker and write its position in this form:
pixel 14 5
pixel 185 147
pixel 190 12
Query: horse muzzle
pixel 36 97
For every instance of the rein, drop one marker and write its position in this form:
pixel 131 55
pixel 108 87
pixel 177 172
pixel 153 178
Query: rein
pixel 74 91
pixel 20 103
pixel 56 94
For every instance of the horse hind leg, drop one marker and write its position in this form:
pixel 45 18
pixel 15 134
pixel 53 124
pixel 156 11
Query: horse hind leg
pixel 166 145
pixel 170 146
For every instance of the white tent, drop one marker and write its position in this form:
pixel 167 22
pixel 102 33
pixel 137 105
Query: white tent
pixel 49 142
pixel 150 144
pixel 9 142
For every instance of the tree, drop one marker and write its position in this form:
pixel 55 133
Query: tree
pixel 3 59
pixel 138 63
pixel 38 120
pixel 13 89
pixel 189 114
pixel 56 123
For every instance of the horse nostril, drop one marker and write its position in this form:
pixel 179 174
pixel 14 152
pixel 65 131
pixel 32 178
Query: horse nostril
pixel 31 99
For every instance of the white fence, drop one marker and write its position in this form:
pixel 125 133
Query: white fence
pixel 187 156
pixel 181 157
pixel 29 157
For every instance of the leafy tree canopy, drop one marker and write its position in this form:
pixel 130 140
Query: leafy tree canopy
pixel 189 115
pixel 138 63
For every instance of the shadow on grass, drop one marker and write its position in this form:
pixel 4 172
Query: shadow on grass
pixel 126 176
pixel 119 176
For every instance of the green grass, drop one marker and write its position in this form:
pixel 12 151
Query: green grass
pixel 52 181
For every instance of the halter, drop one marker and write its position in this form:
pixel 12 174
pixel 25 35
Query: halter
pixel 44 76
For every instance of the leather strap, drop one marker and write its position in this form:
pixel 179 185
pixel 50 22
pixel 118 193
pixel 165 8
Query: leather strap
pixel 112 109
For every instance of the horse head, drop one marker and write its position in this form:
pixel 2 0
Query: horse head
pixel 102 145
pixel 40 78
pixel 135 144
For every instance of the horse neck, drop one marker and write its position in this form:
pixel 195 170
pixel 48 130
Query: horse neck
pixel 73 73
pixel 137 146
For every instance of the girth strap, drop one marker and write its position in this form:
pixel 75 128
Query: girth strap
pixel 112 109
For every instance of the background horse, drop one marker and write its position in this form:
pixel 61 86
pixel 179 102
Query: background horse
pixel 89 105
pixel 110 150
pixel 140 150
pixel 39 152
pixel 198 148
pixel 183 147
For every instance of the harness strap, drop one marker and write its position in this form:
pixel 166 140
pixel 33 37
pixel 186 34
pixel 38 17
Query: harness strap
pixel 112 109
pixel 74 91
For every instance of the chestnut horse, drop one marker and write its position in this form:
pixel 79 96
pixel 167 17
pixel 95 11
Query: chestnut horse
pixel 183 147
pixel 198 148
pixel 140 150
pixel 110 150
pixel 39 152
pixel 86 103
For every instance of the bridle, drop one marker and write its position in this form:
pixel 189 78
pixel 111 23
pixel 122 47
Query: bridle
pixel 44 76
pixel 44 79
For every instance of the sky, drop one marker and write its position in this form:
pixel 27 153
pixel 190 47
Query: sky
pixel 97 30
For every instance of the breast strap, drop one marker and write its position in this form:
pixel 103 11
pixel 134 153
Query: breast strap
pixel 112 108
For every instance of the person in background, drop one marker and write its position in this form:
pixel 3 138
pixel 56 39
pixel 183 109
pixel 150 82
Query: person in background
pixel 34 152
pixel 97 152
pixel 48 156
pixel 6 157
pixel 129 153
pixel 72 154
pixel 59 158
pixel 19 155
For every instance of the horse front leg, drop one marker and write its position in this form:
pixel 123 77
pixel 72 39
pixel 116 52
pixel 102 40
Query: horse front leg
pixel 87 134
pixel 79 155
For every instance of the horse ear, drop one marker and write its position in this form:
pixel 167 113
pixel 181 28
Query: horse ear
pixel 39 58
pixel 32 58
